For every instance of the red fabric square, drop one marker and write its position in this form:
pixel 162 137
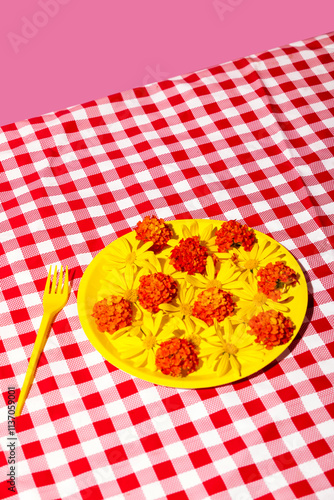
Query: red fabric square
pixel 178 495
pixel 5 271
pixel 33 449
pixel 19 315
pixel 285 461
pixel 128 483
pixel 220 418
pixel 274 371
pixel 321 383
pixel 164 470
pixel 254 407
pixel 139 415
pixel 173 403
pixel 302 421
pixel 57 411
pixel 301 489
pixel 86 225
pixel 126 389
pixel 18 221
pixel 69 438
pixel 202 90
pixel 269 432
pixel 79 466
pixel 23 159
pixel 96 179
pixel 208 393
pixel 288 393
pixel 71 351
pixel 81 376
pixel 43 478
pixel 116 454
pixel 319 448
pixel 6 371
pixel 330 476
pixel 207 148
pixel 104 426
pixel 214 485
pixel 92 401
pixel 305 359
pixel 34 262
pixel 249 473
pixel 201 191
pixel 70 127
pixel 200 458
pixel 152 442
pixel 235 445
pixel 47 385
pixel 173 199
pixel 212 108
pixel 186 431
pixel 180 155
pixel 91 493
pixel 213 210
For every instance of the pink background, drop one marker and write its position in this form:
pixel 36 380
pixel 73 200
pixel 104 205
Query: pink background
pixel 82 50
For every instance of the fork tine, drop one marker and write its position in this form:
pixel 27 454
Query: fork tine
pixel 47 284
pixel 60 282
pixel 53 286
pixel 66 281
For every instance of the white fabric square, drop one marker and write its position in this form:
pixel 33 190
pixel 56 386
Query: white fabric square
pixel 175 450
pixel 259 452
pixel 153 491
pixel 275 481
pixel 310 469
pixel 244 426
pixel 189 479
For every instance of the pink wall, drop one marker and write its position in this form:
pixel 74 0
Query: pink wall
pixel 58 53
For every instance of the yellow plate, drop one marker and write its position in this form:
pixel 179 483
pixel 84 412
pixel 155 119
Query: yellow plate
pixel 203 377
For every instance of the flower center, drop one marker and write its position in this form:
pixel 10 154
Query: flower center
pixel 251 264
pixel 131 295
pixel 149 342
pixel 214 283
pixel 130 258
pixel 186 309
pixel 231 349
pixel 260 299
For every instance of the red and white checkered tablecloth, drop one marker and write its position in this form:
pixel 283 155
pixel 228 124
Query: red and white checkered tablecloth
pixel 251 140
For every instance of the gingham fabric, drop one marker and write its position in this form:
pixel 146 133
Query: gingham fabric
pixel 250 140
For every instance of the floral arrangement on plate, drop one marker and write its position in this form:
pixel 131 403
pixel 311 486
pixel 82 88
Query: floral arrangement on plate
pixel 213 299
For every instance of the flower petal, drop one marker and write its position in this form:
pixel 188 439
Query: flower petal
pixel 224 365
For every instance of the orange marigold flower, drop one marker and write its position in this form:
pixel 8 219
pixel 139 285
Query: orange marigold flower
pixel 189 256
pixel 177 357
pixel 112 313
pixel 275 279
pixel 271 328
pixel 213 303
pixel 155 230
pixel 232 234
pixel 156 289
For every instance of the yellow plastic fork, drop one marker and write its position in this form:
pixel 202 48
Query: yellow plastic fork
pixel 53 301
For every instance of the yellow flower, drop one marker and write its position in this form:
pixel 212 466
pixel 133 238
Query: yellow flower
pixel 205 236
pixel 124 254
pixel 141 349
pixel 125 284
pixel 253 302
pixel 227 349
pixel 261 254
pixel 226 278
pixel 183 303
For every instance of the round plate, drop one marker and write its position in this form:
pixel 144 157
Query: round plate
pixel 203 377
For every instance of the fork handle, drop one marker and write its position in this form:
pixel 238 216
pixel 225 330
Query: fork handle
pixel 40 341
